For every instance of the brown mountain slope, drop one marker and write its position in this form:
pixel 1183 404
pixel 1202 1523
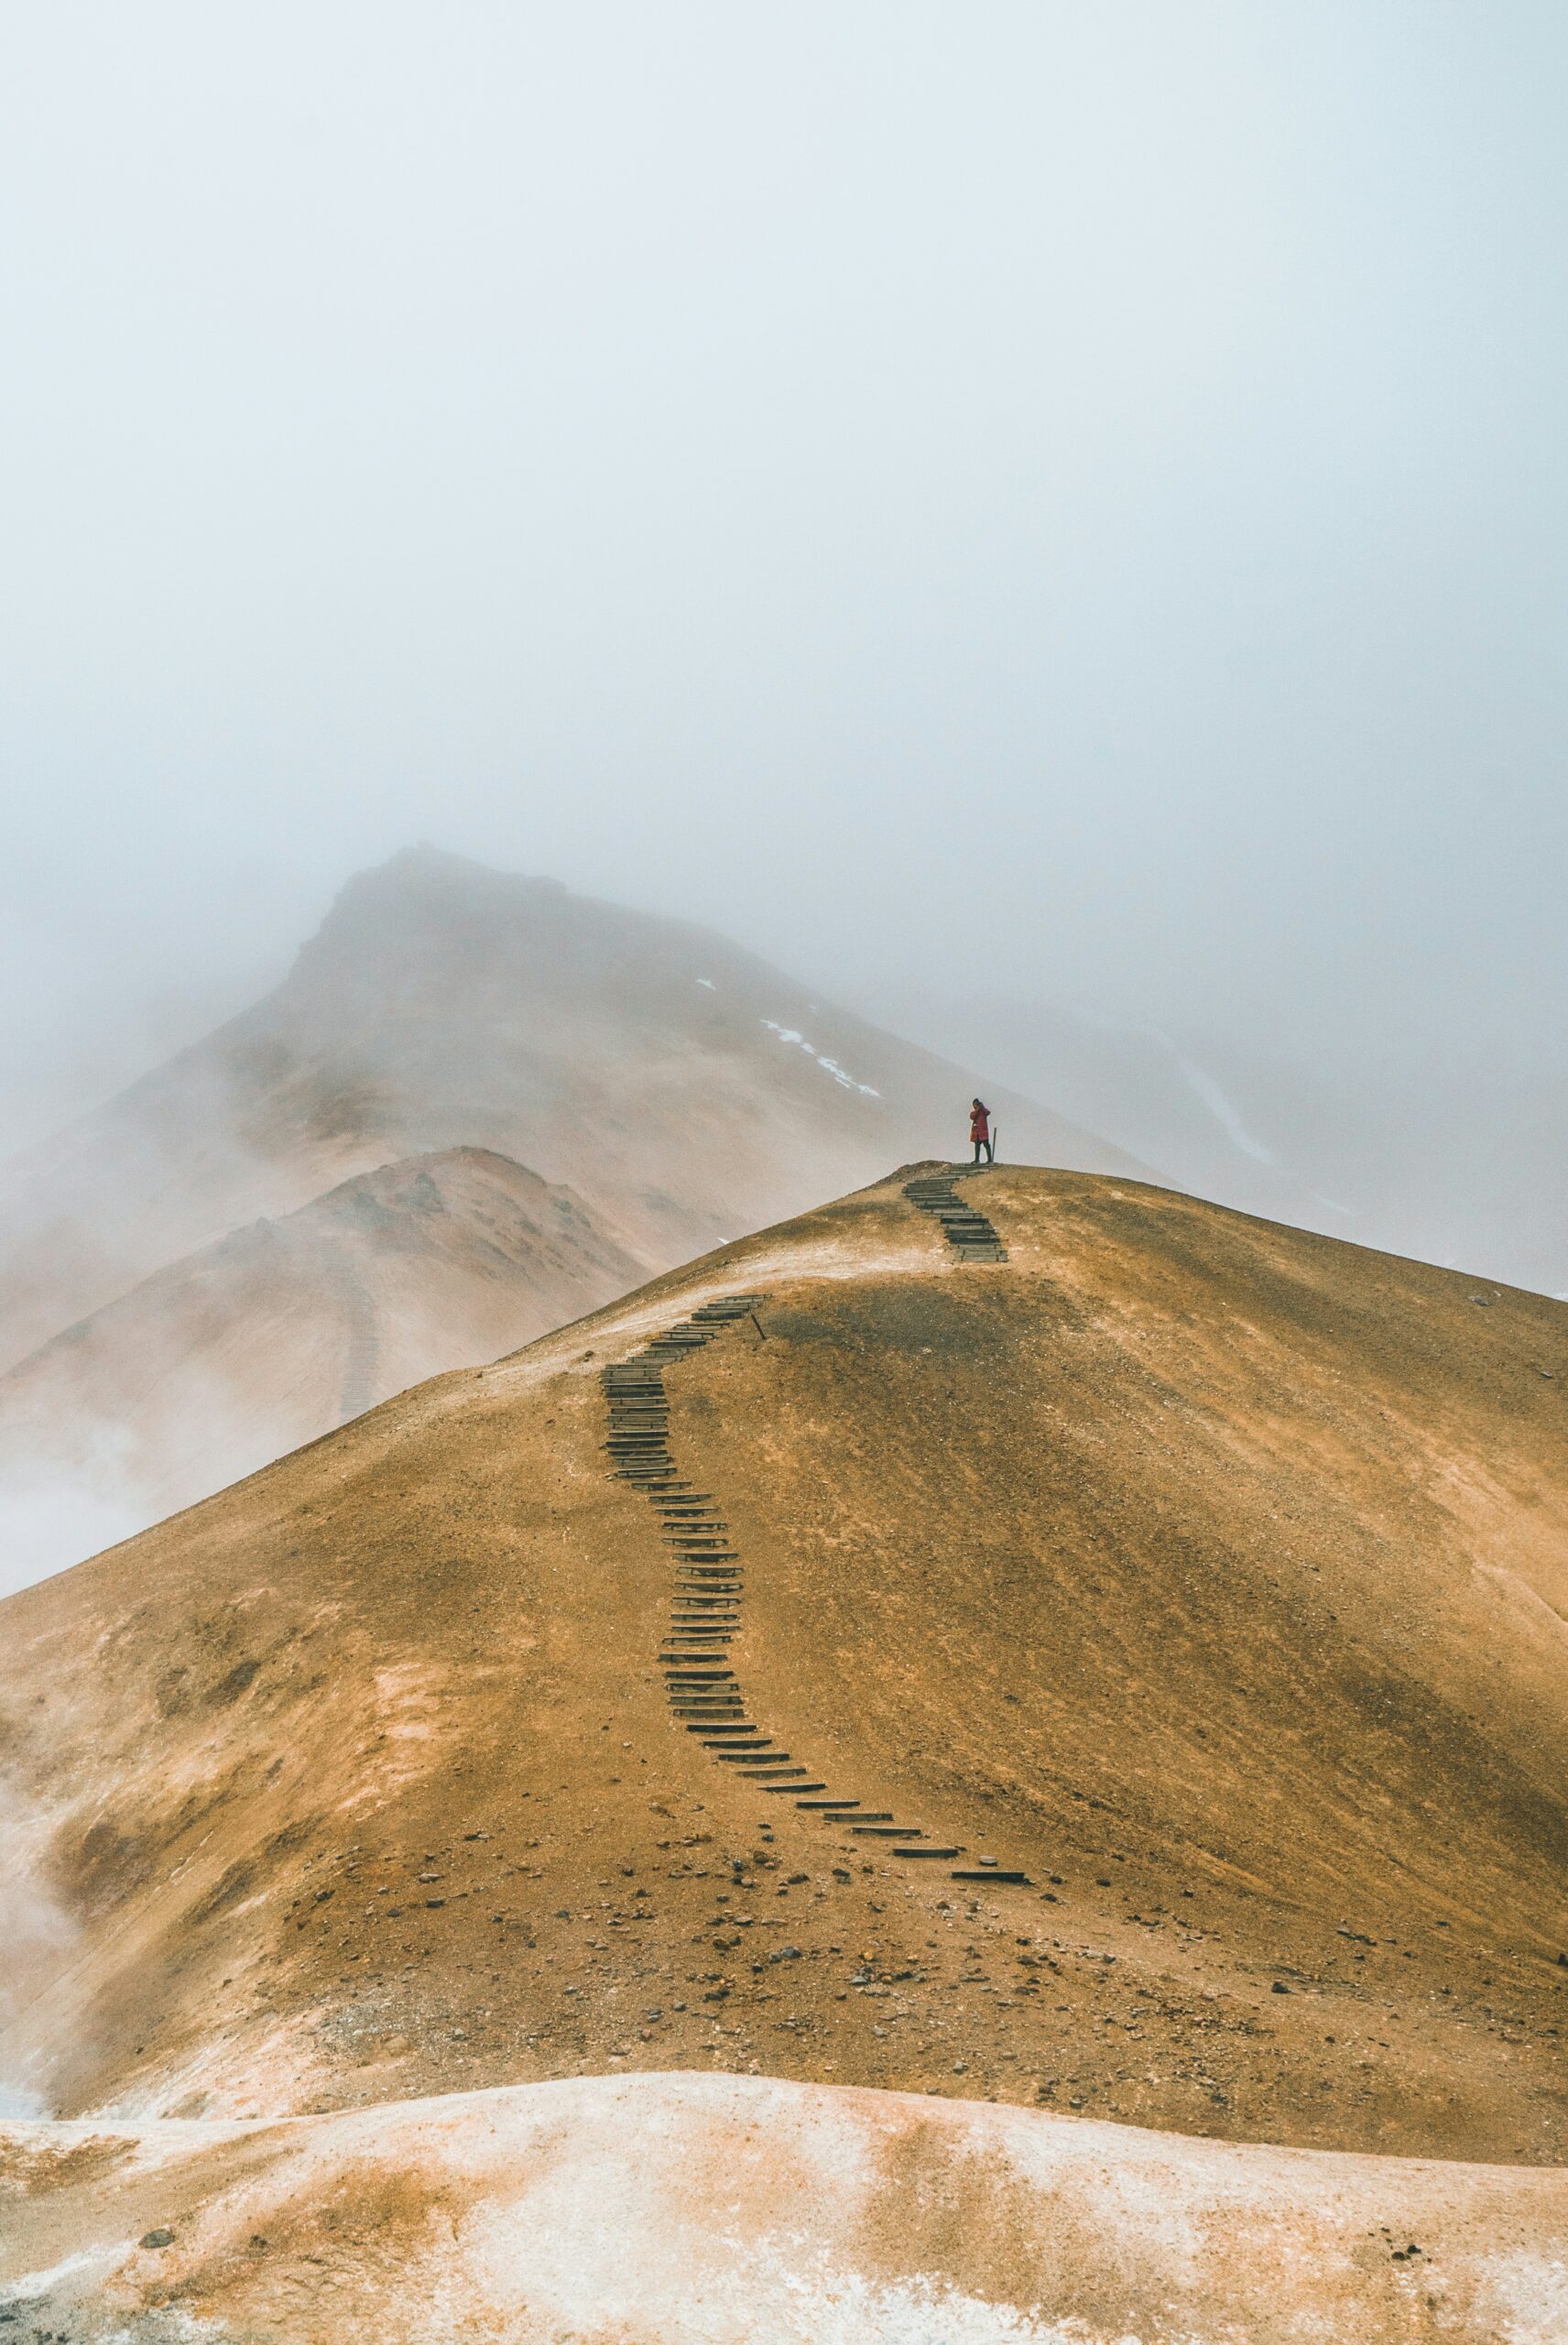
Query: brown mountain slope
pixel 217 1365
pixel 1211 1574
pixel 683 1089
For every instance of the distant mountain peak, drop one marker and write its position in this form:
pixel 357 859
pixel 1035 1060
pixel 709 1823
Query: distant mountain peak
pixel 439 877
pixel 423 859
pixel 682 1087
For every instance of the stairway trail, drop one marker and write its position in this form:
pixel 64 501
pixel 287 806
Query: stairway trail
pixel 972 1237
pixel 704 1692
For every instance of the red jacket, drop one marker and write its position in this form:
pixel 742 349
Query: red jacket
pixel 979 1123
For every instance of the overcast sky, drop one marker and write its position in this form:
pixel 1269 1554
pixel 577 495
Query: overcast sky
pixel 1076 485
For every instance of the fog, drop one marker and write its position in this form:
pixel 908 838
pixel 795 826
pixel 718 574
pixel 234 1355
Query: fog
pixel 1063 503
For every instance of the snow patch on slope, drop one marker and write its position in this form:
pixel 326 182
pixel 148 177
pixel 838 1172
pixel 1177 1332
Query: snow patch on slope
pixel 793 1034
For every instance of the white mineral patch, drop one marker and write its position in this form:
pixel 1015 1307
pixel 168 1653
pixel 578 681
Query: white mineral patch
pixel 28 2286
pixel 687 2209
pixel 793 1034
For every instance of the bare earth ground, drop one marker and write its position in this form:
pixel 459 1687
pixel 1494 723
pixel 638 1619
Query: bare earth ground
pixel 1211 1573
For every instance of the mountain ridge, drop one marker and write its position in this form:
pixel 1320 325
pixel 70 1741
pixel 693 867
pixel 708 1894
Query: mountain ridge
pixel 443 1005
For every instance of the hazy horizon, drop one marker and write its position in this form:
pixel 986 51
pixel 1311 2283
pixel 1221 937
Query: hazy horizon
pixel 1058 505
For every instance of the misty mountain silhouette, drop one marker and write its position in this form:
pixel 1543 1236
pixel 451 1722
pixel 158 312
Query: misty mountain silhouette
pixel 228 1358
pixel 682 1089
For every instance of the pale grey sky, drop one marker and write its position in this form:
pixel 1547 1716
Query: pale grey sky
pixel 1079 484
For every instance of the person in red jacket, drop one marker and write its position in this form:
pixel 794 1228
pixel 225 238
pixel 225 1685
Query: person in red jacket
pixel 980 1131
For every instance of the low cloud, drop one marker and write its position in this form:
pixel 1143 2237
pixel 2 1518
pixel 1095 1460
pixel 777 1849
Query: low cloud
pixel 38 1938
pixel 50 1523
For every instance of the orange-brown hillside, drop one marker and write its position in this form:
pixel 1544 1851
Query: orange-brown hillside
pixel 1210 1575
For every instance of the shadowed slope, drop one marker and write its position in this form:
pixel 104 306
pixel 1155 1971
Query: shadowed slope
pixel 1208 1574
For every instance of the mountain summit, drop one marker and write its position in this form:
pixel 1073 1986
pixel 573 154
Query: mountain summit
pixel 682 1089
